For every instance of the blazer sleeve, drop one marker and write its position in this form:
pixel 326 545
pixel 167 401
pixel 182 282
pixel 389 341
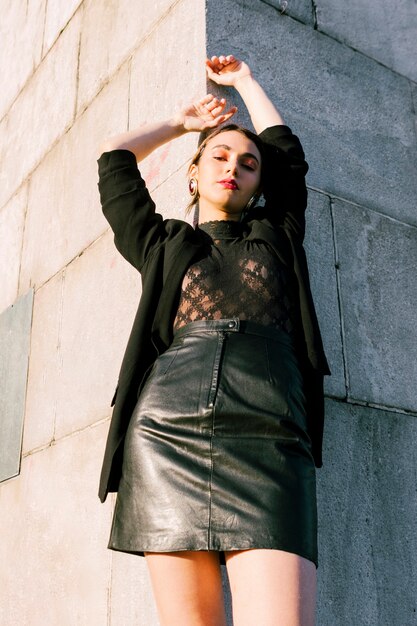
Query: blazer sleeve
pixel 284 186
pixel 128 207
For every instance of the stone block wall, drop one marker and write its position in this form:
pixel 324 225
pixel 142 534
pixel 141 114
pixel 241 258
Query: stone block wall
pixel 78 71
pixel 343 75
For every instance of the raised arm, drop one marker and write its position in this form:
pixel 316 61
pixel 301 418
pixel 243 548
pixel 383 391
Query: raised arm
pixel 231 72
pixel 208 112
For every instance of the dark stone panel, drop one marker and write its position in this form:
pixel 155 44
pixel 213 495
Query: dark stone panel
pixel 299 9
pixel 355 117
pixel 378 261
pixel 15 327
pixel 320 255
pixel 367 499
pixel 381 29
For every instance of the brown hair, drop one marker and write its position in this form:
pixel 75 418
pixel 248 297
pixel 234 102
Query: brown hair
pixel 197 156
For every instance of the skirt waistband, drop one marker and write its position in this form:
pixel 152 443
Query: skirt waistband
pixel 234 325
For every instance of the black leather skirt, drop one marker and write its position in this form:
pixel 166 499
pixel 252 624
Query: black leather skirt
pixel 216 455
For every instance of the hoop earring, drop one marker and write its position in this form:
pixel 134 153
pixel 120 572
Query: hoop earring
pixel 251 202
pixel 192 187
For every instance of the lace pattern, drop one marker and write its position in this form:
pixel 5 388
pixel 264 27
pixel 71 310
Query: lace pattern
pixel 238 278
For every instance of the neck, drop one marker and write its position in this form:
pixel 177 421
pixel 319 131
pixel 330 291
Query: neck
pixel 209 213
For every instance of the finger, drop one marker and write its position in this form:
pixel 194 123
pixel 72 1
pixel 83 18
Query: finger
pixel 223 118
pixel 212 75
pixel 222 59
pixel 206 99
pixel 218 109
pixel 215 103
pixel 217 64
pixel 229 113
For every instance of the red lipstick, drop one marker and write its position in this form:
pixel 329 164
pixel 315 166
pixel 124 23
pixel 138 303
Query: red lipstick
pixel 229 183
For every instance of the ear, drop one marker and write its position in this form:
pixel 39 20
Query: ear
pixel 193 171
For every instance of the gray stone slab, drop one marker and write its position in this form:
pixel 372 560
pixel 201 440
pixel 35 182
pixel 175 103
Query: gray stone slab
pixel 320 255
pixel 55 564
pixel 378 260
pixel 381 29
pixel 367 504
pixel 299 9
pixel 15 325
pixel 354 116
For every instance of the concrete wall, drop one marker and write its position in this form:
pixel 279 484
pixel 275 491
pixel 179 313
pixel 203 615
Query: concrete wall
pixel 342 73
pixel 77 71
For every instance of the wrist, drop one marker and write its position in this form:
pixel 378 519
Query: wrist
pixel 244 81
pixel 177 124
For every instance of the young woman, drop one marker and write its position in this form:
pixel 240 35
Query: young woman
pixel 217 424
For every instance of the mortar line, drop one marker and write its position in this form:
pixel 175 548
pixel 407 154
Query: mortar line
pixel 314 9
pixel 19 281
pixel 26 384
pixel 129 84
pixel 43 40
pixel 74 433
pixel 77 76
pixel 372 405
pixel 339 300
pixel 365 207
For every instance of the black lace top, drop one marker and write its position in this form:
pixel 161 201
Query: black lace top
pixel 238 278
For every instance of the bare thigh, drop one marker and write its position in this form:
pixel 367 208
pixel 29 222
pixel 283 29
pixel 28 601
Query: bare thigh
pixel 271 588
pixel 187 587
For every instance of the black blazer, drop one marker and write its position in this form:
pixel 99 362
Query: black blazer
pixel 162 250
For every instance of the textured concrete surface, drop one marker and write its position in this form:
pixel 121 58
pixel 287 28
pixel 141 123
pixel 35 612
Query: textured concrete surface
pixel 55 565
pixel 173 79
pixel 378 260
pixel 110 33
pixel 43 111
pixel 82 319
pixel 15 323
pixel 383 30
pixel 130 572
pixel 64 206
pixel 367 510
pixel 319 247
pixel 58 14
pixel 354 116
pixel 99 302
pixel 45 365
pixel 21 28
pixel 81 70
pixel 12 220
pixel 298 9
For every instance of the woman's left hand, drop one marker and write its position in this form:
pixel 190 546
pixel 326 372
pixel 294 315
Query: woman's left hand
pixel 226 70
pixel 208 112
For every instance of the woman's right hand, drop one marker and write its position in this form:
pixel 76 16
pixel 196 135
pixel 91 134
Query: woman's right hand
pixel 208 112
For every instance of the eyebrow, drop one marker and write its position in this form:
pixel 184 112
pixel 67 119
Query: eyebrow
pixel 246 154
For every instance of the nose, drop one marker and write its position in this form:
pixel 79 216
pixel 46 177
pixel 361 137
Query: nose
pixel 233 166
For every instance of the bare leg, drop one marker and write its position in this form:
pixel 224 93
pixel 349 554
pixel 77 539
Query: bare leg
pixel 271 588
pixel 187 587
